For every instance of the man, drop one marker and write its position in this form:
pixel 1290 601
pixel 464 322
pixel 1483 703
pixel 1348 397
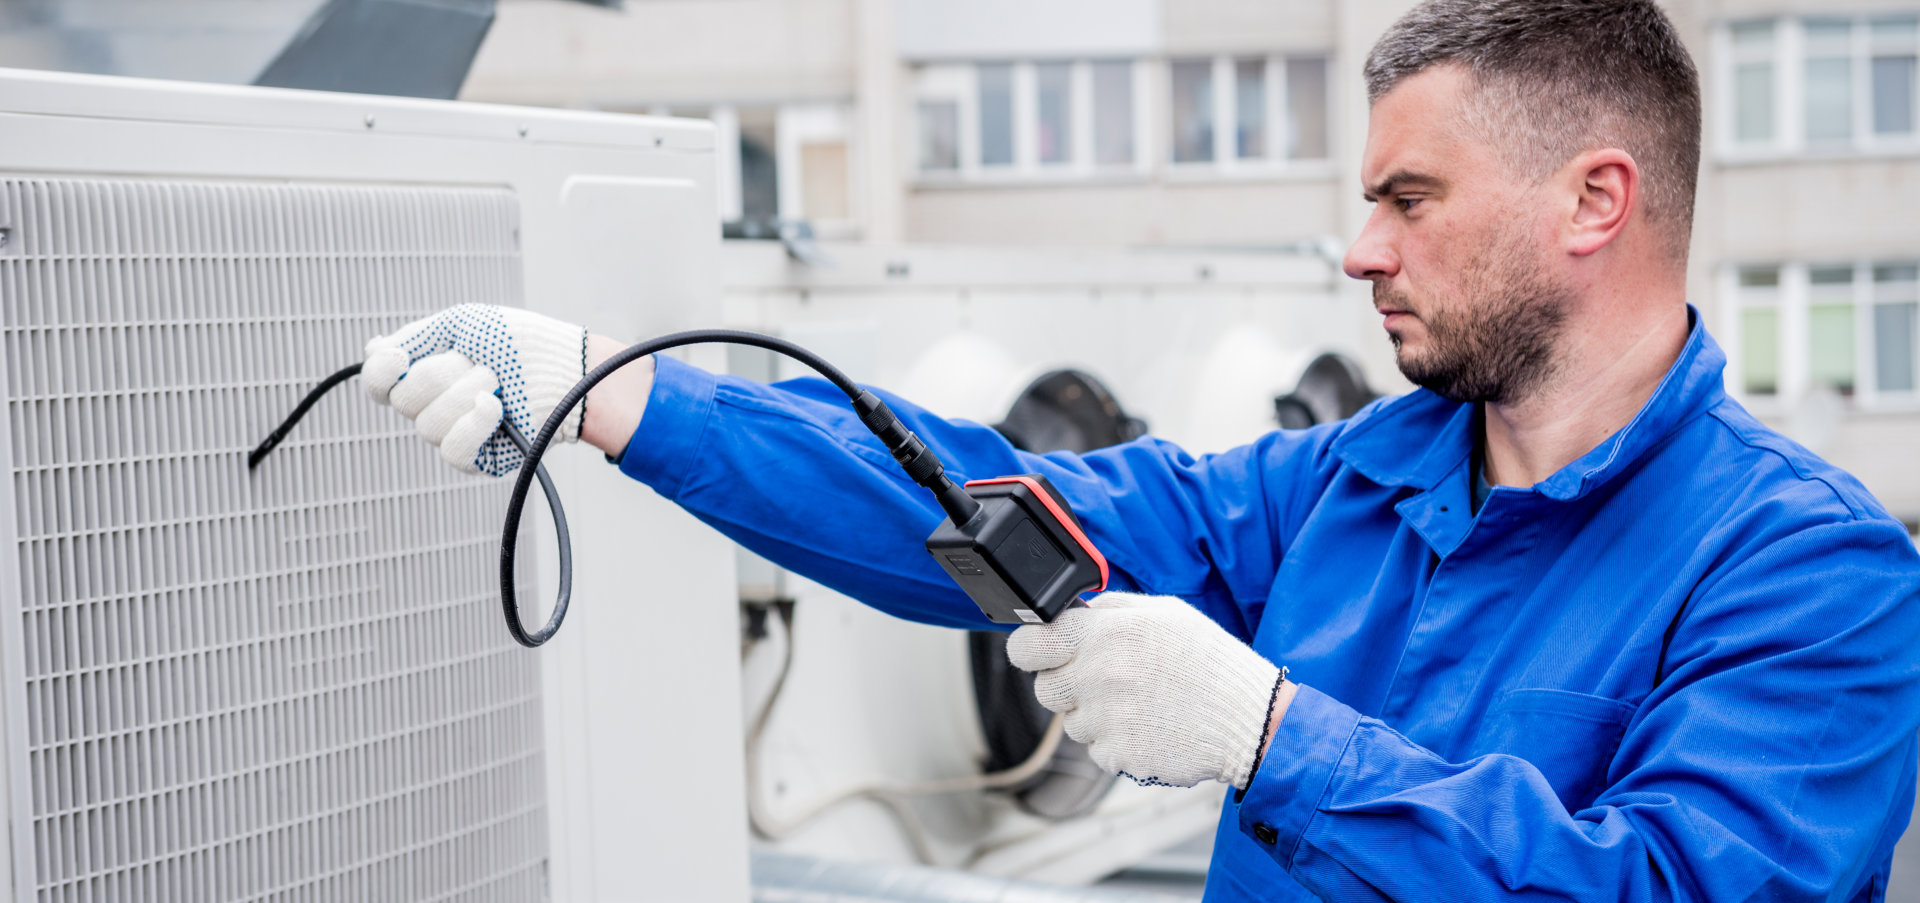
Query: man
pixel 1568 622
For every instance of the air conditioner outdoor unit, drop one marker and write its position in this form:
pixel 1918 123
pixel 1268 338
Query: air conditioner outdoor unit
pixel 293 684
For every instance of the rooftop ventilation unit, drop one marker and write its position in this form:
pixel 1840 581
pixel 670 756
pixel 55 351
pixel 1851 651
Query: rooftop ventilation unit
pixel 293 684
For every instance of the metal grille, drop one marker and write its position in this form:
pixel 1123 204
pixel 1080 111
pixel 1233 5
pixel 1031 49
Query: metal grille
pixel 290 684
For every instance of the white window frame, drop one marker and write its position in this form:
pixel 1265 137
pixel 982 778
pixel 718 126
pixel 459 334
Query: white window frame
pixel 1789 61
pixel 958 83
pixel 1226 162
pixel 1795 305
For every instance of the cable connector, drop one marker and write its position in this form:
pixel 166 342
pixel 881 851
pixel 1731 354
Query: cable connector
pixel 920 463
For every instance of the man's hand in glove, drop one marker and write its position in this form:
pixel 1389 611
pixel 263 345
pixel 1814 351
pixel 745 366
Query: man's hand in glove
pixel 1157 690
pixel 460 371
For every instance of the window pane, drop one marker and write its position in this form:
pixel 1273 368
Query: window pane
pixel 1893 94
pixel 996 114
pixel 1753 102
pixel 1830 284
pixel 1307 109
pixel 1829 37
pixel 1759 277
pixel 1893 339
pixel 1896 295
pixel 1895 282
pixel 1829 100
pixel 1760 350
pixel 1896 33
pixel 939 135
pixel 1830 346
pixel 1055 132
pixel 1192 111
pixel 1250 108
pixel 1753 36
pixel 1113 113
pixel 759 173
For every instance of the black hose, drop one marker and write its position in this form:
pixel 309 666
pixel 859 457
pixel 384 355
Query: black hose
pixel 913 455
pixel 561 535
pixel 300 410
pixel 905 447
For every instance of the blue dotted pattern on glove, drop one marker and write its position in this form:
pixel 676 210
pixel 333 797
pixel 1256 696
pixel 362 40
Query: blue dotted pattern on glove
pixel 1147 782
pixel 478 332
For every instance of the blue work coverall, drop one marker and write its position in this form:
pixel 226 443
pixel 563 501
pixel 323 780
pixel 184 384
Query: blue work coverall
pixel 1684 667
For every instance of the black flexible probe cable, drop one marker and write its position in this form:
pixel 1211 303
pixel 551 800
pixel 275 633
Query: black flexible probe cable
pixel 561 535
pixel 920 463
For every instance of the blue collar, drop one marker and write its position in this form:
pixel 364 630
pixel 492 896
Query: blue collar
pixel 1417 439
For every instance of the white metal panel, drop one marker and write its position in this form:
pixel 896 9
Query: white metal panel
pixel 654 595
pixel 278 684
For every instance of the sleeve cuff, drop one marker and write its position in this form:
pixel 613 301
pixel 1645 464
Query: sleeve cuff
pixel 661 452
pixel 1284 795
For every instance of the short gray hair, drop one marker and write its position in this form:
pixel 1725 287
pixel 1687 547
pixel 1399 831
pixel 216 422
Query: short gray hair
pixel 1555 78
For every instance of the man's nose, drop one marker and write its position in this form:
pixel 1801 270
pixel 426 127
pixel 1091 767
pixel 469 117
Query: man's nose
pixel 1371 256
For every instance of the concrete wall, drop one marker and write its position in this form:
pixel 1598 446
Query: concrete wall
pixel 1250 26
pixel 1025 29
pixel 1806 210
pixel 1220 213
pixel 667 52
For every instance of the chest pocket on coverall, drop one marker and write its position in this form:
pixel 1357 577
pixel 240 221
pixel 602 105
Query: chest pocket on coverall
pixel 1570 737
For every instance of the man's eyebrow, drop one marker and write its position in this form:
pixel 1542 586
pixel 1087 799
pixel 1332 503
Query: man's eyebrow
pixel 1399 181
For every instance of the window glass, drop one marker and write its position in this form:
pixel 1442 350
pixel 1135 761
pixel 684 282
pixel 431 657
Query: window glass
pixel 1896 51
pixel 1893 95
pixel 1760 349
pixel 1830 335
pixel 1829 87
pixel 1753 106
pixel 1893 341
pixel 823 181
pixel 759 173
pixel 1307 108
pixel 1753 81
pixel 1113 113
pixel 1753 36
pixel 939 135
pixel 1896 317
pixel 1192 111
pixel 996 114
pixel 1760 329
pixel 1054 134
pixel 1250 109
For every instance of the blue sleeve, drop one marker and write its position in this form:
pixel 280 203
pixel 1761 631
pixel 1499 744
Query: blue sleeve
pixel 1759 768
pixel 789 472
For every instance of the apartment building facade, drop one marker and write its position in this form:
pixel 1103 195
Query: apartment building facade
pixel 1228 123
pixel 1201 124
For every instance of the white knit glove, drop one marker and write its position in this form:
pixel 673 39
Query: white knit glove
pixel 1158 691
pixel 455 372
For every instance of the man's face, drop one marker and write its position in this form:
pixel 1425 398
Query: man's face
pixel 1458 249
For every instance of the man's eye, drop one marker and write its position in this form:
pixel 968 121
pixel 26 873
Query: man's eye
pixel 1406 204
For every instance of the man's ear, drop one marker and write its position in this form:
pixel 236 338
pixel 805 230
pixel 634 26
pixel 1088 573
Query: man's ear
pixel 1606 188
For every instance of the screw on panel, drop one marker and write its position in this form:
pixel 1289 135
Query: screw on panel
pixel 369 120
pixel 523 131
pixel 6 235
pixel 657 141
pixel 899 269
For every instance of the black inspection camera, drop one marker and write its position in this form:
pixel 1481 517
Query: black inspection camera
pixel 1011 543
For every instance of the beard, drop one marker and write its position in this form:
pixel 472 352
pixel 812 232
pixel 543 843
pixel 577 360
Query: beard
pixel 1496 339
